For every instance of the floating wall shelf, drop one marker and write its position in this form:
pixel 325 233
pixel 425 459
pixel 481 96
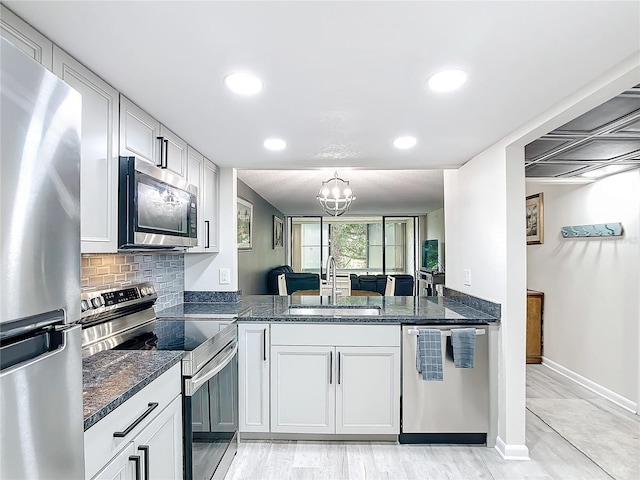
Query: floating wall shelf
pixel 597 230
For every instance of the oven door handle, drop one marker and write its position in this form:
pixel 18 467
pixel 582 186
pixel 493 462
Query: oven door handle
pixel 211 369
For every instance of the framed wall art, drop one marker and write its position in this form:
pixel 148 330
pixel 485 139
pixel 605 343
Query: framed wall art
pixel 278 233
pixel 245 224
pixel 535 219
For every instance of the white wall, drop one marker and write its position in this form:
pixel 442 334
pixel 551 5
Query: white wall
pixel 485 234
pixel 202 271
pixel 591 285
pixel 484 221
pixel 435 230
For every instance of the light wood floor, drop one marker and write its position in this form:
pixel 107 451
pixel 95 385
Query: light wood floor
pixel 558 450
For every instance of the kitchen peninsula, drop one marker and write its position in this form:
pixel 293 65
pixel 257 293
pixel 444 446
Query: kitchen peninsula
pixel 312 368
pixel 393 310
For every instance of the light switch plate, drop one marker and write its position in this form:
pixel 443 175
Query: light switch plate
pixel 225 276
pixel 466 279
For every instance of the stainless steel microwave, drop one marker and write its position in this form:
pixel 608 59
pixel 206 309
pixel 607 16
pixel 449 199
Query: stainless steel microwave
pixel 156 208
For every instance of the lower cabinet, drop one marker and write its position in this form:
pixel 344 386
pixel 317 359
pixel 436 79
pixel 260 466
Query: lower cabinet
pixel 319 378
pixel 142 438
pixel 253 377
pixel 302 389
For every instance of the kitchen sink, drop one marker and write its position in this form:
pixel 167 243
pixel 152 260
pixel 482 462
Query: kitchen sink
pixel 334 311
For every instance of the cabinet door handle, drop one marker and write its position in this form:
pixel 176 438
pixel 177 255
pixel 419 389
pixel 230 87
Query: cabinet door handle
pixel 161 151
pixel 166 153
pixel 152 406
pixel 206 222
pixel 339 374
pixel 145 450
pixel 136 460
pixel 330 367
pixel 264 345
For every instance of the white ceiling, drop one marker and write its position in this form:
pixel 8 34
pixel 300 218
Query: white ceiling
pixel 378 192
pixel 343 79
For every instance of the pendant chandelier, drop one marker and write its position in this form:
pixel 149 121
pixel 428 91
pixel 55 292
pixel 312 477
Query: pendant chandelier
pixel 335 196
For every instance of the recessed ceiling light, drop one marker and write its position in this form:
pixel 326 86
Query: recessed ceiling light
pixel 405 143
pixel 447 81
pixel 275 144
pixel 243 83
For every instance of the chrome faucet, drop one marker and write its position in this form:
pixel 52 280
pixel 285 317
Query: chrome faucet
pixel 332 267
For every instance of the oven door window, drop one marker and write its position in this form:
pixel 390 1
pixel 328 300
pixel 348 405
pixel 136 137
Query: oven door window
pixel 161 208
pixel 211 421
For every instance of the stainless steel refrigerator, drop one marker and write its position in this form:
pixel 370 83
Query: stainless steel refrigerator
pixel 41 415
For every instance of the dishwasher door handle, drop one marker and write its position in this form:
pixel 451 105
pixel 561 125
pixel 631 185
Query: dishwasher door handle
pixel 446 333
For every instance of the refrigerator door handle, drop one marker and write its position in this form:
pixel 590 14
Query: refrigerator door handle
pixel 37 348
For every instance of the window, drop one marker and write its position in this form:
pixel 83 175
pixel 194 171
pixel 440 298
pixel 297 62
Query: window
pixel 357 244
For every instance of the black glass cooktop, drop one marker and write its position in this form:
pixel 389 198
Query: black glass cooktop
pixel 174 335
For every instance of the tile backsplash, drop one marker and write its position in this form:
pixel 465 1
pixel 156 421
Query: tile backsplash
pixel 164 270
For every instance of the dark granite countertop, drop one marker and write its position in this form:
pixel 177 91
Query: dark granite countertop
pixel 111 377
pixel 393 310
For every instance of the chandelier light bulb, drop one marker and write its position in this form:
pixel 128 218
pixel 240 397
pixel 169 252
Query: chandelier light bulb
pixel 341 198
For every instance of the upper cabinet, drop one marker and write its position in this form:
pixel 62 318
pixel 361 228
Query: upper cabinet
pixel 26 38
pixel 174 151
pixel 99 155
pixel 142 136
pixel 139 132
pixel 203 173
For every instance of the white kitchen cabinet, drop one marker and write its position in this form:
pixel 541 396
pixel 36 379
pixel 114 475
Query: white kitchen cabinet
pixel 210 202
pixel 160 444
pixel 99 154
pixel 121 467
pixel 157 447
pixel 139 132
pixel 368 390
pixel 253 377
pixel 342 379
pixel 302 389
pixel 26 38
pixel 195 167
pixel 175 152
pixel 203 173
pixel 153 418
pixel 143 136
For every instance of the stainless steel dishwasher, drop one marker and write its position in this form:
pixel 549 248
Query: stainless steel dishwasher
pixel 455 410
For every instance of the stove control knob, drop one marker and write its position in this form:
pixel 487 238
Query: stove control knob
pixel 144 291
pixel 97 302
pixel 151 290
pixel 84 305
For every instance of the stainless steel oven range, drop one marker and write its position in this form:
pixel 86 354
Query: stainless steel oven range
pixel 124 319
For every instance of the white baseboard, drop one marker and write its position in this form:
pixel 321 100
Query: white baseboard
pixel 511 452
pixel 594 387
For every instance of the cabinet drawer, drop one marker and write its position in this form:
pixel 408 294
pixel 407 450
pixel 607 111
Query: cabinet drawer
pixel 335 335
pixel 100 445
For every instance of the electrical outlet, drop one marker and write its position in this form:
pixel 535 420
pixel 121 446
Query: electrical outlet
pixel 467 277
pixel 225 276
